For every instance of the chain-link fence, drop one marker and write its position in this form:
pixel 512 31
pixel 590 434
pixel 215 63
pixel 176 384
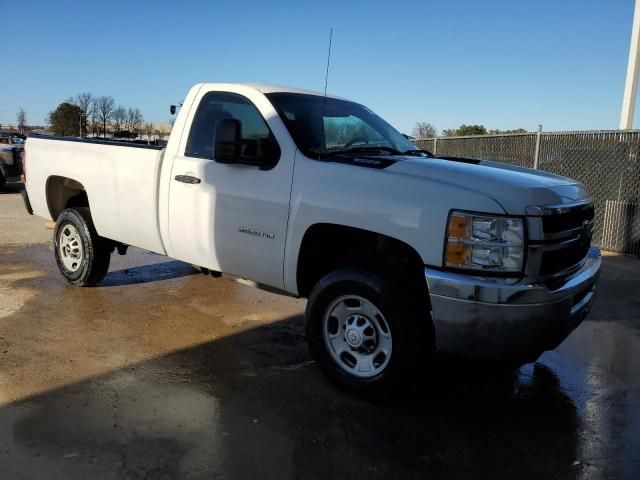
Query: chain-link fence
pixel 607 163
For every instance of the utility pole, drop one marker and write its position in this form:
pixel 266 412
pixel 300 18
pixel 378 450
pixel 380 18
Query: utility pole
pixel 631 84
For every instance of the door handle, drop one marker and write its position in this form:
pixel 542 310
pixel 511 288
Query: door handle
pixel 187 179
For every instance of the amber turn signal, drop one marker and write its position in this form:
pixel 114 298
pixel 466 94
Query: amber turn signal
pixel 458 226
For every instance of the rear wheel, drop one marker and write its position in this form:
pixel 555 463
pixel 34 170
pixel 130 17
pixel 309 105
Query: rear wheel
pixel 3 179
pixel 365 335
pixel 81 254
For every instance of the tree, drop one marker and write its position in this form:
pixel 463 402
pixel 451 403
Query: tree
pixel 105 111
pixel 86 103
pixel 65 120
pixel 119 117
pixel 134 119
pixel 21 118
pixel 93 118
pixel 463 130
pixel 424 130
pixel 148 130
pixel 516 130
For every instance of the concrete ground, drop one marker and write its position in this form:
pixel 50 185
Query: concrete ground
pixel 161 373
pixel 17 228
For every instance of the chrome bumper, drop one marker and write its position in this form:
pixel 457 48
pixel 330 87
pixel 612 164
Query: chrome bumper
pixel 489 318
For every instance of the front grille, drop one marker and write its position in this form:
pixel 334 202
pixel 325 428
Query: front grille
pixel 554 261
pixel 567 221
pixel 567 238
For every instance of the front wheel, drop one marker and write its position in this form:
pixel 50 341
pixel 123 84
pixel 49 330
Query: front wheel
pixel 81 254
pixel 364 334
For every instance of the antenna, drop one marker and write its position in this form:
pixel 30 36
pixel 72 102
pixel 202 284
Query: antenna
pixel 326 76
pixel 326 80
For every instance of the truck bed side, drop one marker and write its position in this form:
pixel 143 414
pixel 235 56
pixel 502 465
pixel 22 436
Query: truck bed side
pixel 121 184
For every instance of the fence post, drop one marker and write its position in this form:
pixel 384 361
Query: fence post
pixel 435 145
pixel 536 155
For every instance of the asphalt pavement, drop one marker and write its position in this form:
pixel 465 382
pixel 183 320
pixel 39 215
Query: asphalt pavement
pixel 161 372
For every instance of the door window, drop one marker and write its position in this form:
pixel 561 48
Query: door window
pixel 218 105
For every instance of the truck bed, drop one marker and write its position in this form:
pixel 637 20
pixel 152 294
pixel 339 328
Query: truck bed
pixel 121 181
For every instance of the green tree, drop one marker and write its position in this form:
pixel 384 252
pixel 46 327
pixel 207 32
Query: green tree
pixel 463 130
pixel 516 130
pixel 65 120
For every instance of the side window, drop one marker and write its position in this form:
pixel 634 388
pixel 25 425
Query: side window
pixel 218 105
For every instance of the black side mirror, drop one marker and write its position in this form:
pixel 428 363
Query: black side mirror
pixel 226 140
pixel 172 109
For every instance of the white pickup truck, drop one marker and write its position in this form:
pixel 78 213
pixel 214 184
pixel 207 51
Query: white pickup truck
pixel 401 254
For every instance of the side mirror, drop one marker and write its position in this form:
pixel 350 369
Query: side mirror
pixel 172 109
pixel 226 140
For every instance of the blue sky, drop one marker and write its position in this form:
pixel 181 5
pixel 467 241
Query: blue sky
pixel 504 64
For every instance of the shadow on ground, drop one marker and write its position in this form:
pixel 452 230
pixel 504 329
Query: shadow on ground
pixel 252 405
pixel 148 273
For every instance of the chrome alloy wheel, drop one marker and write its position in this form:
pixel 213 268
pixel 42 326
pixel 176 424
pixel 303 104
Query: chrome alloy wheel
pixel 70 247
pixel 357 336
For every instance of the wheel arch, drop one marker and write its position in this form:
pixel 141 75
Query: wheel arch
pixel 328 246
pixel 64 192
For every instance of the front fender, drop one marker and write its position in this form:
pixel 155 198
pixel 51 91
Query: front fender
pixel 410 209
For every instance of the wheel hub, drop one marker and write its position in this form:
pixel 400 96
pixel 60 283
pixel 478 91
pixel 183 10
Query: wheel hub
pixel 354 338
pixel 357 336
pixel 70 247
pixel 361 334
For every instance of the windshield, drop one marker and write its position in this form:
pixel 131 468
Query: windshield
pixel 17 141
pixel 322 126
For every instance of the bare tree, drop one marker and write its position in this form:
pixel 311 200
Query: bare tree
pixel 85 102
pixel 105 111
pixel 21 118
pixel 119 118
pixel 424 130
pixel 94 118
pixel 134 119
pixel 148 130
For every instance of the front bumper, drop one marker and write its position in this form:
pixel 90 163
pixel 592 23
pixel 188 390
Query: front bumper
pixel 487 318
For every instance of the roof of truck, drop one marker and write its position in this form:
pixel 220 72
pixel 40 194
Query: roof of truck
pixel 268 88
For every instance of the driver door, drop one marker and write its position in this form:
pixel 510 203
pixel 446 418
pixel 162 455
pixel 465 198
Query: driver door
pixel 230 217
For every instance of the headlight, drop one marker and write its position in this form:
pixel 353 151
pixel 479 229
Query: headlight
pixel 481 242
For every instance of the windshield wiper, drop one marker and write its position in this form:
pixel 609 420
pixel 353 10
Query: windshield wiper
pixel 365 149
pixel 355 150
pixel 418 151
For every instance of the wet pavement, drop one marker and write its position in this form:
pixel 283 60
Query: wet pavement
pixel 163 373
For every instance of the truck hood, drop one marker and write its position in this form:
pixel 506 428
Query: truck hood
pixel 514 188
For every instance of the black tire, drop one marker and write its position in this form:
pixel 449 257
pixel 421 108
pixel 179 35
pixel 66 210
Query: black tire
pixel 96 250
pixel 408 321
pixel 3 179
